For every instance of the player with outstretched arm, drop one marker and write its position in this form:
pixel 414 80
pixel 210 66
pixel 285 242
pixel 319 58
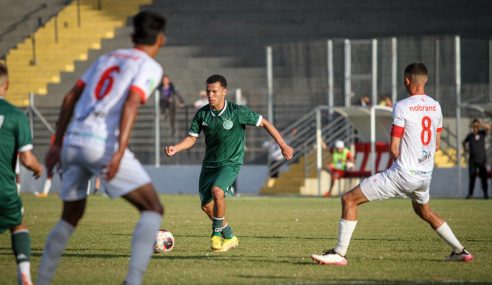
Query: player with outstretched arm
pixel 224 124
pixel 415 137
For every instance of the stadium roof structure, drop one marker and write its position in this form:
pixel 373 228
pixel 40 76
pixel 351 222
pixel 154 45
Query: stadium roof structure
pixel 483 108
pixel 360 117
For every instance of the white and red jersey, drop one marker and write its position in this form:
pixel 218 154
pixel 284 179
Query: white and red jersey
pixel 107 83
pixel 417 120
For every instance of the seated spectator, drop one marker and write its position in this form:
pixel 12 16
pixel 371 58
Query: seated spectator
pixel 202 101
pixel 341 160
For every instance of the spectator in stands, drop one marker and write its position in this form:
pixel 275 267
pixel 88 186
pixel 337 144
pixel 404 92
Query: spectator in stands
pixel 202 101
pixel 386 101
pixel 474 148
pixel 341 160
pixel 168 101
pixel 365 101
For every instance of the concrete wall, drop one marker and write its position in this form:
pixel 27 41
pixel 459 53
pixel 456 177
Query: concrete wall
pixel 183 179
pixel 179 179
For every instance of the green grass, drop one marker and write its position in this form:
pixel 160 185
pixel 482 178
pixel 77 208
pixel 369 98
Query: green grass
pixel 277 237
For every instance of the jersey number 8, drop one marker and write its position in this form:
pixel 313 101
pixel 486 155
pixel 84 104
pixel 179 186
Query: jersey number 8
pixel 426 134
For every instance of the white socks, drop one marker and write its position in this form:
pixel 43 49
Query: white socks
pixel 47 186
pixel 445 232
pixel 142 241
pixel 345 230
pixel 55 245
pixel 23 272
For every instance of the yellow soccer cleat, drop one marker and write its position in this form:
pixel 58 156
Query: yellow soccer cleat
pixel 216 243
pixel 229 244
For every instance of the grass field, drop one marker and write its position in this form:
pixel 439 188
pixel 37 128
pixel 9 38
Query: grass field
pixel 277 235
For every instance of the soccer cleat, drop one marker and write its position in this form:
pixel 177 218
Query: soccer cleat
pixel 216 243
pixel 41 195
pixel 464 256
pixel 229 244
pixel 329 257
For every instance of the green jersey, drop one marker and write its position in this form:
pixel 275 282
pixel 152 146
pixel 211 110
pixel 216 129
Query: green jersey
pixel 224 133
pixel 15 136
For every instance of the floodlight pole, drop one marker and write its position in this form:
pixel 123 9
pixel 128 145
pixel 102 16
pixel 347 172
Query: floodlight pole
pixel 457 48
pixel 331 93
pixel 348 73
pixel 157 130
pixel 374 71
pixel 269 82
pixel 319 162
pixel 394 70
pixel 373 139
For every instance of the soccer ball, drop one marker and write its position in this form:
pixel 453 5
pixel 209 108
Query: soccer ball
pixel 164 241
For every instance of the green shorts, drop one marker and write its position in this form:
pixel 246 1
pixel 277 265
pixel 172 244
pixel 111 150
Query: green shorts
pixel 222 177
pixel 10 209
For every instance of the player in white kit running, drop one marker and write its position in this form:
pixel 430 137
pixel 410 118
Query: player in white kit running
pixel 415 137
pixel 95 122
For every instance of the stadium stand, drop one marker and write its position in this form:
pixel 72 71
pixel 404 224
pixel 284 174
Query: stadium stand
pixel 54 47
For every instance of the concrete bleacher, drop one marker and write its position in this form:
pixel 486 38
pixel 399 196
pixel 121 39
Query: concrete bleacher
pixel 217 36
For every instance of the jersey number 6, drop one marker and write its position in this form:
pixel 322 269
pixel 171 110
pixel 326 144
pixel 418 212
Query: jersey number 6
pixel 426 134
pixel 105 84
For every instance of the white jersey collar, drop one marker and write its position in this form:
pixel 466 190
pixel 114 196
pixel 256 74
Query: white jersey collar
pixel 221 112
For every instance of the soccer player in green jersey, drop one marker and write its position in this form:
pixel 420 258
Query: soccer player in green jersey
pixel 15 137
pixel 223 124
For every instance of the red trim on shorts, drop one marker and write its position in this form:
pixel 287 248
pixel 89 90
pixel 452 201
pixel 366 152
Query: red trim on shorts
pixel 80 84
pixel 140 92
pixel 397 131
pixel 439 130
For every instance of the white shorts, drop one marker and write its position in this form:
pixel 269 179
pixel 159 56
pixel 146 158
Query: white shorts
pixel 79 164
pixel 395 182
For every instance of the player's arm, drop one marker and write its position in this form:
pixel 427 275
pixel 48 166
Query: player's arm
pixel 128 117
pixel 486 127
pixel 28 159
pixel 186 143
pixel 66 111
pixel 438 139
pixel 287 151
pixel 396 134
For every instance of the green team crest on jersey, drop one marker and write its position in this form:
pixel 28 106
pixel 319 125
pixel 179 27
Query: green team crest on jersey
pixel 227 124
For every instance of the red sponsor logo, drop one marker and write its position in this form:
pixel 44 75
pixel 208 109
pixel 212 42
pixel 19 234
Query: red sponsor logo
pixel 423 108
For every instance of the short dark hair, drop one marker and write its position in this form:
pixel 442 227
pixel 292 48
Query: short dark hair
pixel 415 69
pixel 4 74
pixel 147 26
pixel 3 70
pixel 475 120
pixel 217 78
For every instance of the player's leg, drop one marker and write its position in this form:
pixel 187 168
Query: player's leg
pixel 146 200
pixel 205 184
pixel 21 246
pixel 222 185
pixel 73 193
pixel 482 172
pixel 350 202
pixel 134 184
pixel 380 186
pixel 472 174
pixel 442 229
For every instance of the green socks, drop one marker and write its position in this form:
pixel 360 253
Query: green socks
pixel 21 245
pixel 227 232
pixel 217 226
